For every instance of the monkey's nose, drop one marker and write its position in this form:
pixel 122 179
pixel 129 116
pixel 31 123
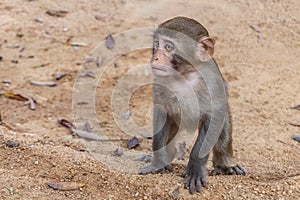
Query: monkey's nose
pixel 156 59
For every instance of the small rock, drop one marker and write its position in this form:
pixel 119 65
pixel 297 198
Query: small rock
pixel 39 20
pixel 175 193
pixel 118 151
pixel 12 144
pixel 127 115
pixel 133 142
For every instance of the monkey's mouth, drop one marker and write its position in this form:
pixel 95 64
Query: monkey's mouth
pixel 159 68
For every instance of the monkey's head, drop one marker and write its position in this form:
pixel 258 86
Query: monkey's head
pixel 175 42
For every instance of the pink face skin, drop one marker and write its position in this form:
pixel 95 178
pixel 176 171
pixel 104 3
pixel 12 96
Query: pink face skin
pixel 163 51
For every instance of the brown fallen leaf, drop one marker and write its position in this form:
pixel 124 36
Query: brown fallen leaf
pixel 39 20
pixel 13 46
pixel 89 74
pixel 127 115
pixel 144 157
pixel 65 186
pixel 78 44
pixel 99 18
pixel 296 137
pixel 109 41
pixel 57 13
pixel 88 60
pixel 133 142
pixel 15 96
pixel 175 193
pixel 68 41
pixel 31 104
pixel 293 124
pixel 147 136
pixel 87 127
pixel 14 61
pixel 296 107
pixel 40 65
pixel 118 151
pixel 40 83
pixel 98 62
pixel 255 28
pixel 66 123
pixel 60 76
pixel 22 49
pixel 7 82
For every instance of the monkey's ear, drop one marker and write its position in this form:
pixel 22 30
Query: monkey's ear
pixel 206 47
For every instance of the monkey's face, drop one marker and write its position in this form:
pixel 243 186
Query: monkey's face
pixel 163 54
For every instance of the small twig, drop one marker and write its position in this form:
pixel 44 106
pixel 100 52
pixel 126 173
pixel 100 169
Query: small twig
pixel 296 107
pixel 3 124
pixel 254 28
pixel 293 124
pixel 291 145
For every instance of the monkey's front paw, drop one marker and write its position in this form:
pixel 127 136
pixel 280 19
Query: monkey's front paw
pixel 194 180
pixel 155 170
pixel 236 170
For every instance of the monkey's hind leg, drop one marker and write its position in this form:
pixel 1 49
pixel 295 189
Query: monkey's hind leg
pixel 223 161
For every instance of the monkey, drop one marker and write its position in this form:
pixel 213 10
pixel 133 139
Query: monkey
pixel 182 101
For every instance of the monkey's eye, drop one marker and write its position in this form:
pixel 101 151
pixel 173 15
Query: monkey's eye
pixel 168 47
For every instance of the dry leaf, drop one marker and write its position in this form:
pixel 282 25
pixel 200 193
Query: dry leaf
pixel 89 74
pixel 13 47
pixel 296 107
pixel 175 193
pixel 39 20
pixel 78 44
pixel 68 41
pixel 253 27
pixel 57 13
pixel 66 123
pixel 293 124
pixel 296 137
pixel 88 136
pixel 99 18
pixel 144 157
pixel 88 60
pixel 133 142
pixel 98 62
pixel 65 186
pixel 87 127
pixel 60 76
pixel 40 83
pixel 127 115
pixel 14 61
pixel 118 151
pixel 40 65
pixel 109 41
pixel 31 104
pixel 15 96
pixel 147 136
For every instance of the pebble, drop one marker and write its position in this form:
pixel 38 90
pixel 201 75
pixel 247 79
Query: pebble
pixel 12 144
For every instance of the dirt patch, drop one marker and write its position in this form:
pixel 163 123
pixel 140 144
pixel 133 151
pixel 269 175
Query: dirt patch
pixel 260 64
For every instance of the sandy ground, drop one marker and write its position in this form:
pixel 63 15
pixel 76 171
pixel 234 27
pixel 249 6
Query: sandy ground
pixel 260 64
